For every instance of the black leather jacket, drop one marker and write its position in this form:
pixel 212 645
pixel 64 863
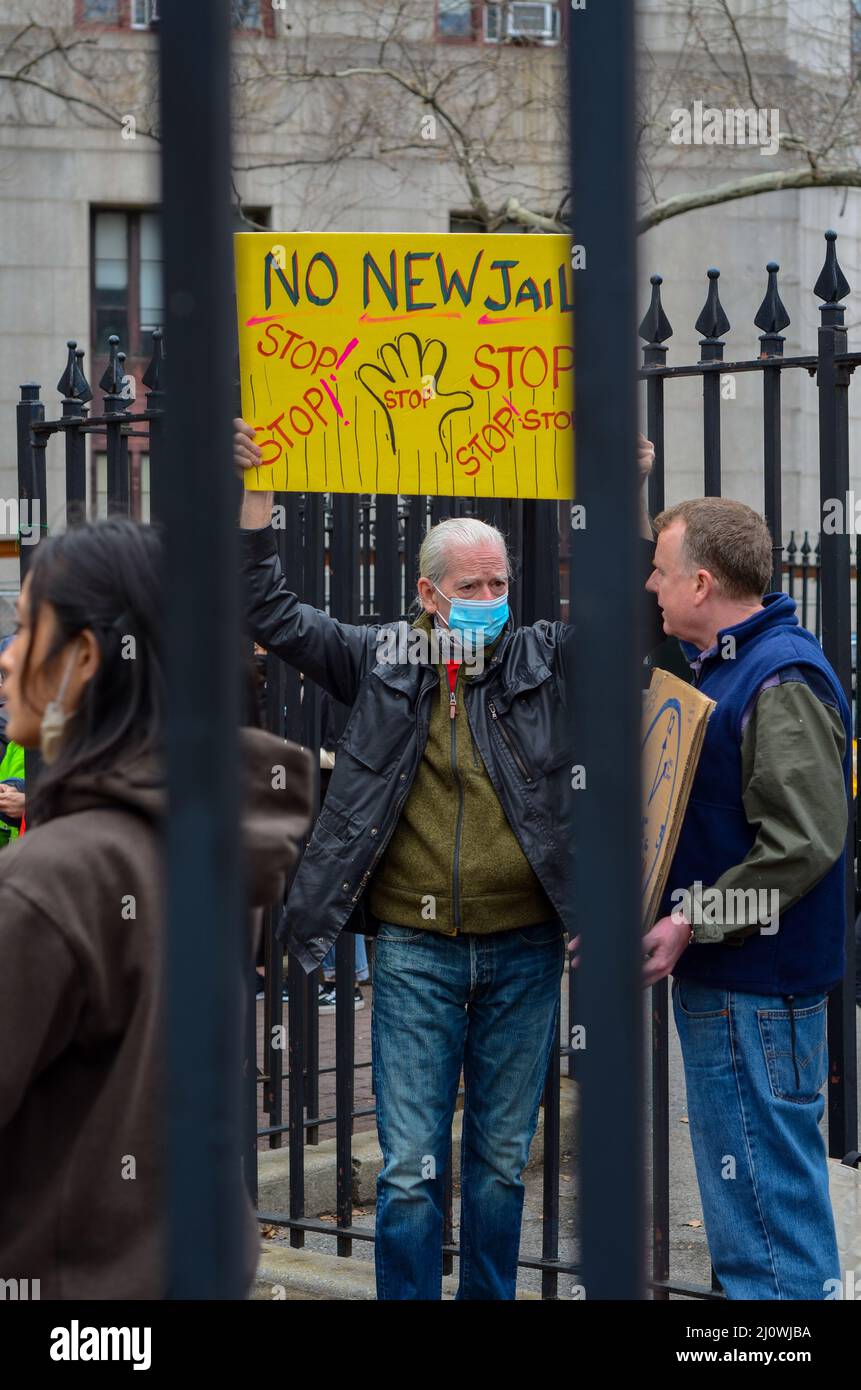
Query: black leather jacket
pixel 519 720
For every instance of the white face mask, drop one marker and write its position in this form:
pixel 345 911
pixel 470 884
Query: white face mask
pixel 54 718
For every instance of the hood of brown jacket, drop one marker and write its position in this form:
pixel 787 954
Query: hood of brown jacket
pixel 275 812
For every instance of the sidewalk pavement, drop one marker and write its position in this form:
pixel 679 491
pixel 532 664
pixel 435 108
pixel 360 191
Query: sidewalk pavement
pixel 317 1272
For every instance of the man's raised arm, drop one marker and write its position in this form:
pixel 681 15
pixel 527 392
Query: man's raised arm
pixel 333 654
pixel 256 509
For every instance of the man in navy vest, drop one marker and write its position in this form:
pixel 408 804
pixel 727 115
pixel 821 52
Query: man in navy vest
pixel 755 906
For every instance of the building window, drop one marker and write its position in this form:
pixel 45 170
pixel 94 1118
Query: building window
pixel 144 13
pixel 246 14
pixel 127 279
pixel 100 12
pixel 252 16
pixel 499 21
pixel 520 21
pixel 127 262
pixel 455 19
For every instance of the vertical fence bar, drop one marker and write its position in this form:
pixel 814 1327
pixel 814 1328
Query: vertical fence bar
pixel 387 570
pixel 206 921
pixel 655 328
pixel 447 1210
pixel 791 552
pixel 345 1061
pixel 313 580
pixel 550 1174
pixel 515 545
pixel 833 386
pixel 713 324
pixel 415 525
pixel 817 572
pixel 289 540
pixel 273 1016
pixel 290 546
pixel 344 558
pixel 153 380
pixel 805 552
pixel 117 445
pixel 249 1088
pixel 296 1041
pixel 75 390
pixel 857 692
pixel 277 675
pixel 32 506
pixel 540 583
pixel 771 317
pixel 660 1136
pixel 30 411
pixel 602 660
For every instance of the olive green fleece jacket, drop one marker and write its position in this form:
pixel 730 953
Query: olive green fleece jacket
pixel 453 863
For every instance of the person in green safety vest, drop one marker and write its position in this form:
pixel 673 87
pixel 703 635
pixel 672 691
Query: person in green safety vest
pixel 11 793
pixel 11 776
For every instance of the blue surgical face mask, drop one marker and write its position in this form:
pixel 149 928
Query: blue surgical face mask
pixel 481 619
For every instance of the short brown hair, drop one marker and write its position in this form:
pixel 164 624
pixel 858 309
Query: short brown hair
pixel 726 538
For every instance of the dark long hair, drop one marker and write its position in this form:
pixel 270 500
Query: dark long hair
pixel 105 576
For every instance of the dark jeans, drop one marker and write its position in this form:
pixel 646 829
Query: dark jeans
pixel 488 1004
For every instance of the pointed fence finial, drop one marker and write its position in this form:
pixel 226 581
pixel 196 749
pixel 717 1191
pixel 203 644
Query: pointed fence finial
pixel 112 380
pixel 153 377
pixel 832 285
pixel 656 327
pixel 713 322
pixel 771 316
pixel 73 385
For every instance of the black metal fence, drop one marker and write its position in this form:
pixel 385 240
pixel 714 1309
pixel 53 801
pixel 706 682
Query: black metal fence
pixel 356 556
pixel 831 367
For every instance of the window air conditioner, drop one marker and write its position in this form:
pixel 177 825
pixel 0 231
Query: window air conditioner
pixel 528 21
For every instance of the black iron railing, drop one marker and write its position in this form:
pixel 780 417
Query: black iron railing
pixel 828 610
pixel 357 556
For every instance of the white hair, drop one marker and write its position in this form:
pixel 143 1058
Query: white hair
pixel 440 540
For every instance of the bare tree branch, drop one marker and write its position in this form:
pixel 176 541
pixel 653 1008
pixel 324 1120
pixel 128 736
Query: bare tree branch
pixel 751 187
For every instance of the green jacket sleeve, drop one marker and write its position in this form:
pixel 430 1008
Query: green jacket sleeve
pixel 794 794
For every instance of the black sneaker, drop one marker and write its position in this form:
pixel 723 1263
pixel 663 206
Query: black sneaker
pixel 260 988
pixel 326 1004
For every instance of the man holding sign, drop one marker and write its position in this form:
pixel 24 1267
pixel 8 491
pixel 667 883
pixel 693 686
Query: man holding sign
pixel 444 832
pixel 754 922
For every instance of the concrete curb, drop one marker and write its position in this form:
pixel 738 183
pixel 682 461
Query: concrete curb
pixel 287 1274
pixel 273 1165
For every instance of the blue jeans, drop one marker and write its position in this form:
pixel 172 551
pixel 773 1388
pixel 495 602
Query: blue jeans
pixel 360 961
pixel 490 1005
pixel 754 1107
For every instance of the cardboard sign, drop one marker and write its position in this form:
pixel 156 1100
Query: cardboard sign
pixel 675 715
pixel 408 364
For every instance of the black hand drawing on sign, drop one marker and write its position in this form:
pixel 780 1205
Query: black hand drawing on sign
pixel 410 366
pixel 665 765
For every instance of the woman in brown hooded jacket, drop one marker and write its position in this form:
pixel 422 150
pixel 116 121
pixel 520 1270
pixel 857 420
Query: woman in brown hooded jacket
pixel 82 1107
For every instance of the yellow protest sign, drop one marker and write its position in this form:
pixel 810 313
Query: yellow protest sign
pixel 408 364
